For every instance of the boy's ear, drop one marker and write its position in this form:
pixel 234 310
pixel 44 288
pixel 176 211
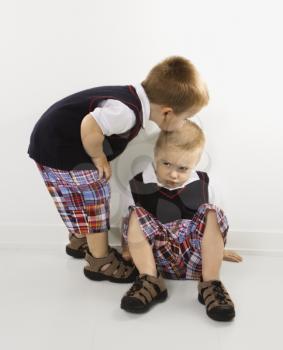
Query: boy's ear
pixel 166 110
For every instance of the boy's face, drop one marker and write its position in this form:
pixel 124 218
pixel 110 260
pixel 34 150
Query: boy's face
pixel 173 167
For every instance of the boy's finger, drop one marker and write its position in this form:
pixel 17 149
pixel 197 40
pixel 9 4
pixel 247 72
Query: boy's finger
pixel 100 172
pixel 237 257
pixel 106 173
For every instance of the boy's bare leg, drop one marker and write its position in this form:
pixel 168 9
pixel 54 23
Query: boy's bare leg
pixel 98 244
pixel 140 249
pixel 212 248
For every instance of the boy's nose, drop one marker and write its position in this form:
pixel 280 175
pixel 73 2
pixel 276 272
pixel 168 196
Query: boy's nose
pixel 173 174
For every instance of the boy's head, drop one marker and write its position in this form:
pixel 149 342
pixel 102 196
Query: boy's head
pixel 175 91
pixel 177 153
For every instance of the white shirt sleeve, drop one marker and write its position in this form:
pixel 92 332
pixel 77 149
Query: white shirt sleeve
pixel 113 117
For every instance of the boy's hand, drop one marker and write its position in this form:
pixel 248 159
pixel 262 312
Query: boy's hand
pixel 102 166
pixel 231 255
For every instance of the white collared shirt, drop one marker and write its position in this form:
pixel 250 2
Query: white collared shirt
pixel 149 176
pixel 114 117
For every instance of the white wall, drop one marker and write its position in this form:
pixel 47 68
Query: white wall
pixel 53 48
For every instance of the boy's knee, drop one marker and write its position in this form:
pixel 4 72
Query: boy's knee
pixel 205 208
pixel 211 218
pixel 134 225
pixel 133 216
pixel 211 213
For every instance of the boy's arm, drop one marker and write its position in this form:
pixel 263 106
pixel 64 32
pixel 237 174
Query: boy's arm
pixel 92 140
pixel 214 198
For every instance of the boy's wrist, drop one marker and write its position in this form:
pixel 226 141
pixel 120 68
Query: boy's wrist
pixel 98 155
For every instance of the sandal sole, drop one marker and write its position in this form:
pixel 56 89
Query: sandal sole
pixel 75 253
pixel 126 303
pixel 216 314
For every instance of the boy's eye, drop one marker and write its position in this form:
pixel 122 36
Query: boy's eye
pixel 183 168
pixel 166 164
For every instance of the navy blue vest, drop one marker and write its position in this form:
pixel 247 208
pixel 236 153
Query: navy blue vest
pixel 172 205
pixel 56 141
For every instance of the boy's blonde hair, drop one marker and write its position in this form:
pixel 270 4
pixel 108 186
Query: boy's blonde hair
pixel 188 138
pixel 176 83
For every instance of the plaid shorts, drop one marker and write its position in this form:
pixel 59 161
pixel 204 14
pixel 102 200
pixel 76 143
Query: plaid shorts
pixel 81 199
pixel 177 245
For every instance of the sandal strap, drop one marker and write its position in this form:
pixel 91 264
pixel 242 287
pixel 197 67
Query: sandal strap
pixel 146 288
pixel 214 294
pixel 117 268
pixel 77 243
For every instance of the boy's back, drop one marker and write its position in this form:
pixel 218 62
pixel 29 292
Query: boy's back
pixel 56 139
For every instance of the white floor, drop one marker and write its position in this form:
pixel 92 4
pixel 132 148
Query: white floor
pixel 47 303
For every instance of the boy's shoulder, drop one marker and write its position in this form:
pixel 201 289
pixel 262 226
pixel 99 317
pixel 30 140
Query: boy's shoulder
pixel 203 176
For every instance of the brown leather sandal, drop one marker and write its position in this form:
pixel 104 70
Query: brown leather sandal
pixel 77 247
pixel 145 292
pixel 216 299
pixel 117 271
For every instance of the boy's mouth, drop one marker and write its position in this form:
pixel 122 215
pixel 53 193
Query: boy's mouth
pixel 172 184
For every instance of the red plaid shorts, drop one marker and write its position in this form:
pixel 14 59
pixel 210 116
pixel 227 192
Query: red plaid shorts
pixel 81 198
pixel 177 245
